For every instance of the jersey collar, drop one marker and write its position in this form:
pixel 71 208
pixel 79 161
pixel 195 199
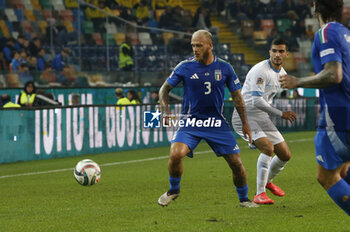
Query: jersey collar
pixel 275 70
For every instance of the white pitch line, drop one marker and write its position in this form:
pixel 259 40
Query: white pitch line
pixel 102 165
pixel 123 162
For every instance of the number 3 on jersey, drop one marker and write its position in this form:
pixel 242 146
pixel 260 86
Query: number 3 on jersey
pixel 208 85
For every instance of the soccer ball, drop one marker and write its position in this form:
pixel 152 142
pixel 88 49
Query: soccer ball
pixel 87 172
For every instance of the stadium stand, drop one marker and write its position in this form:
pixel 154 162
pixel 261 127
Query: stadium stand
pixel 242 43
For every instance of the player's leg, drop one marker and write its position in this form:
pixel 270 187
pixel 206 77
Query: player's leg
pixel 337 188
pixel 345 173
pixel 239 177
pixel 261 142
pixel 224 144
pixel 177 152
pixel 267 149
pixel 278 163
pixel 183 143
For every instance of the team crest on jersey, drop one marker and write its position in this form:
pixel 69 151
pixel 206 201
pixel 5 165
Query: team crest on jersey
pixel 218 75
pixel 260 81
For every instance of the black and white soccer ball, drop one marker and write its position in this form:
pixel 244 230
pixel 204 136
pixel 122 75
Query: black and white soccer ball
pixel 87 172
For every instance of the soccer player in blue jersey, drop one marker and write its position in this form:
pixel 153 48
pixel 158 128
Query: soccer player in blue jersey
pixel 204 77
pixel 331 59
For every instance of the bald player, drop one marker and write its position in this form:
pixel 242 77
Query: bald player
pixel 204 77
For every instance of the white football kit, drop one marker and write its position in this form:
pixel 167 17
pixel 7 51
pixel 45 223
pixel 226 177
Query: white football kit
pixel 259 89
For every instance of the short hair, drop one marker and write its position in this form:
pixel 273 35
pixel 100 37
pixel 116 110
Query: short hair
pixel 75 98
pixel 279 41
pixel 206 34
pixel 329 9
pixel 5 98
pixel 66 50
pixel 119 92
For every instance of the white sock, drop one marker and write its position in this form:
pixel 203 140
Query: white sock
pixel 263 165
pixel 276 167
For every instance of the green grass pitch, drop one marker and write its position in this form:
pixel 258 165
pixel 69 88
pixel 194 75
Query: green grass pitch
pixel 126 197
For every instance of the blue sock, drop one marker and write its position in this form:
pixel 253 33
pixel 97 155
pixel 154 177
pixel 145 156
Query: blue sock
pixel 242 193
pixel 347 178
pixel 340 193
pixel 174 184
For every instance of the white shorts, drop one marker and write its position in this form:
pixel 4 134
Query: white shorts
pixel 261 127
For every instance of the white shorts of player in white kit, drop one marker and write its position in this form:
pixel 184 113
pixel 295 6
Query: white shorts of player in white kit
pixel 260 126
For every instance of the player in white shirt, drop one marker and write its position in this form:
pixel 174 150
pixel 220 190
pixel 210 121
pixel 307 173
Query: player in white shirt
pixel 259 89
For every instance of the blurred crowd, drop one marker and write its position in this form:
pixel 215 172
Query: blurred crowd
pixel 30 60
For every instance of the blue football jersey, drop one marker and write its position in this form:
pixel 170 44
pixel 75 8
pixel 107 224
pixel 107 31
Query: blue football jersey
pixel 332 43
pixel 204 86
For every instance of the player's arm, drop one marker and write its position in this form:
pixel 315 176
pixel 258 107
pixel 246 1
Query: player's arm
pixel 260 103
pixel 331 74
pixel 240 107
pixel 164 97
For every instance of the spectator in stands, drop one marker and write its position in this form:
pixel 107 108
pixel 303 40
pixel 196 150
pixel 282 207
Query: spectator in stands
pixel 133 97
pixel 299 29
pixel 187 19
pixel 27 96
pixel 25 45
pixel 71 3
pixel 99 18
pixel 237 10
pixel 155 96
pixel 179 20
pixel 121 100
pixel 15 63
pixel 142 12
pixel 19 44
pixel 126 53
pixel 3 62
pixel 202 20
pixel 262 9
pixel 127 3
pixel 166 19
pixel 75 99
pixel 175 3
pixel 47 76
pixel 60 60
pixel 159 4
pixel 9 49
pixel 66 77
pixel 33 63
pixel 24 74
pixel 303 10
pixel 275 9
pixel 41 60
pixel 310 34
pixel 34 47
pixel 23 56
pixel 179 45
pixel 6 101
pixel 295 94
pixel 57 31
pixel 273 34
pixel 287 6
pixel 293 45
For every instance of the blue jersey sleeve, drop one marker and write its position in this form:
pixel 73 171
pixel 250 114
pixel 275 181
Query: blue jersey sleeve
pixel 329 44
pixel 176 76
pixel 232 81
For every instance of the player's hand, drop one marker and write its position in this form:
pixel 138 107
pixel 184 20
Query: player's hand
pixel 289 82
pixel 289 115
pixel 246 131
